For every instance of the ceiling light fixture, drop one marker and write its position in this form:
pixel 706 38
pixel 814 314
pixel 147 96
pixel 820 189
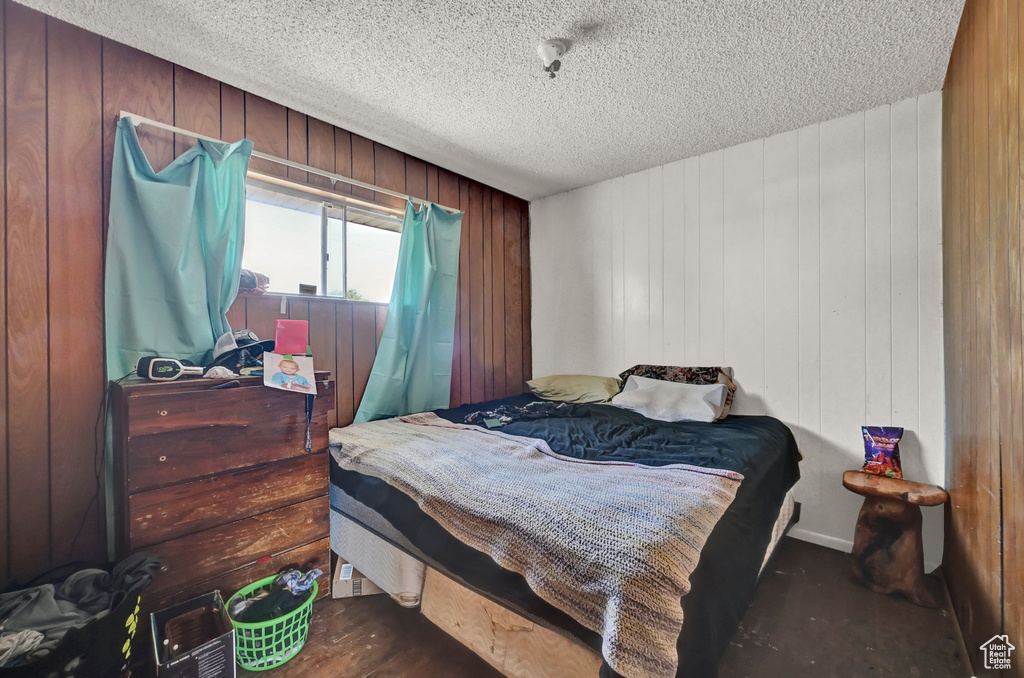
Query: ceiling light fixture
pixel 550 52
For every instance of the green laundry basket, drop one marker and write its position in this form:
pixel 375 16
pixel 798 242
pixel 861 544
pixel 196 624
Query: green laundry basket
pixel 264 645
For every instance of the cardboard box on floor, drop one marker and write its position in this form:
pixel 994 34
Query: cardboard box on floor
pixel 213 657
pixel 349 582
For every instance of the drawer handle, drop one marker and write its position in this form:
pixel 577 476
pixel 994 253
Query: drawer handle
pixel 163 413
pixel 163 457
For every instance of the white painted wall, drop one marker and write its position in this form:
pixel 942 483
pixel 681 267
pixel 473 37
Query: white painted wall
pixel 810 262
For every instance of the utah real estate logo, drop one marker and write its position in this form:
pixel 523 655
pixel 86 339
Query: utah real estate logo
pixel 997 651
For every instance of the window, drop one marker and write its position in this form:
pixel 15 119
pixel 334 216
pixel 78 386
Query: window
pixel 342 250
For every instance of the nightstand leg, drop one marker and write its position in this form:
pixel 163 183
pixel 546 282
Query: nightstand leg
pixel 888 556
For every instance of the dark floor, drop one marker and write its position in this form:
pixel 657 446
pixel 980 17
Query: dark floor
pixel 807 619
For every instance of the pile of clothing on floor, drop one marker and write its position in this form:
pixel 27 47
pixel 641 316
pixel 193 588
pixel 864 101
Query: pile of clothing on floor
pixel 290 590
pixel 34 620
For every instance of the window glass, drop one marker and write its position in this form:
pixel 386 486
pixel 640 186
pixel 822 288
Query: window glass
pixel 372 258
pixel 284 244
pixel 354 257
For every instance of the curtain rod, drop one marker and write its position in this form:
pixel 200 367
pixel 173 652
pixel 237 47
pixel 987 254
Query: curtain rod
pixel 331 176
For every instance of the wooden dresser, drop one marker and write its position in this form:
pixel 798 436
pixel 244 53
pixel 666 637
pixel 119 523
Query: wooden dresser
pixel 218 482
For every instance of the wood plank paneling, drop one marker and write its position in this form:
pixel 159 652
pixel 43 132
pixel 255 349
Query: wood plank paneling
pixel 656 271
pixel 389 172
pixel 843 324
pixel 781 283
pixel 362 167
pixel 321 151
pixel 498 293
pixel 448 194
pixel 380 317
pixel 298 309
pixel 323 339
pixel 432 183
pixel 474 210
pixel 712 259
pixel 196 107
pixel 343 157
pixel 766 264
pixel 513 297
pixel 464 323
pixel 878 203
pixel 232 113
pixel 416 177
pixel 1013 463
pixel 75 249
pixel 487 293
pixel 139 83
pixel 636 257
pixel 298 149
pixel 263 312
pixel 266 125
pixel 63 89
pixel 236 314
pixel 744 240
pixel 690 349
pixel 345 362
pixel 982 221
pixel 4 541
pixel 364 348
pixel 26 287
pixel 526 306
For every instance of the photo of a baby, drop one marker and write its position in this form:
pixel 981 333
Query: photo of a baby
pixel 292 373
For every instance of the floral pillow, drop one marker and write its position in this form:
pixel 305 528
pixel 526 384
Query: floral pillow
pixel 686 375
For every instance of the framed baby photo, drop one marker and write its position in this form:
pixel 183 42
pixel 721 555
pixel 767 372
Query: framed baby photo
pixel 289 373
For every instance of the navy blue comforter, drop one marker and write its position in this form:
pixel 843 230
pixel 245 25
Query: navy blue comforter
pixel 761 448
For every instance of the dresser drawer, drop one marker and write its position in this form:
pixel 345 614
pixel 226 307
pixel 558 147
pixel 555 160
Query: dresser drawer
pixel 181 509
pixel 201 556
pixel 162 412
pixel 305 558
pixel 179 436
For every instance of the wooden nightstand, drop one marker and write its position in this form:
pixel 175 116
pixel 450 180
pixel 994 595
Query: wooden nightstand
pixel 888 556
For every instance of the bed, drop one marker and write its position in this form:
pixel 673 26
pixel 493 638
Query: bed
pixel 761 448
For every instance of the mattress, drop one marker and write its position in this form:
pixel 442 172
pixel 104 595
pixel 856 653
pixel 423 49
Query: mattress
pixel 782 524
pixel 386 565
pixel 366 539
pixel 761 448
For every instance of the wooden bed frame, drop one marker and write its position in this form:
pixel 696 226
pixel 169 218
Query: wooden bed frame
pixel 512 644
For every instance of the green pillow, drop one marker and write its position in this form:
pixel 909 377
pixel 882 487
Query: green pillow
pixel 575 388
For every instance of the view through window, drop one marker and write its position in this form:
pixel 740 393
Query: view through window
pixel 341 250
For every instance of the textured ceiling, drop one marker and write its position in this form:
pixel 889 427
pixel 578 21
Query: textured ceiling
pixel 458 82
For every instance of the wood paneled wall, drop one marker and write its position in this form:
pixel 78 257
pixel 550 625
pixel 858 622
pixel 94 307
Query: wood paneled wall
pixel 983 126
pixel 62 89
pixel 810 262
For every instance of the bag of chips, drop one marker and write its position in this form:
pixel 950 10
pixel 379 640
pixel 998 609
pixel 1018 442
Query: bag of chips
pixel 882 450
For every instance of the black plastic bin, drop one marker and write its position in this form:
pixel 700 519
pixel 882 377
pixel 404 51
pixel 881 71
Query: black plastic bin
pixel 101 647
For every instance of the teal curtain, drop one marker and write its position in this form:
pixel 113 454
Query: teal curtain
pixel 174 250
pixel 413 368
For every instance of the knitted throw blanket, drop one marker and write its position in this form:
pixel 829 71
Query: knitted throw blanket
pixel 612 544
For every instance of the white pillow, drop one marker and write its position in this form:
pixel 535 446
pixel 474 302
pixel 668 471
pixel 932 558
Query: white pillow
pixel 672 401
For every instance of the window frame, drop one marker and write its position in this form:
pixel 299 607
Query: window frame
pixel 329 209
